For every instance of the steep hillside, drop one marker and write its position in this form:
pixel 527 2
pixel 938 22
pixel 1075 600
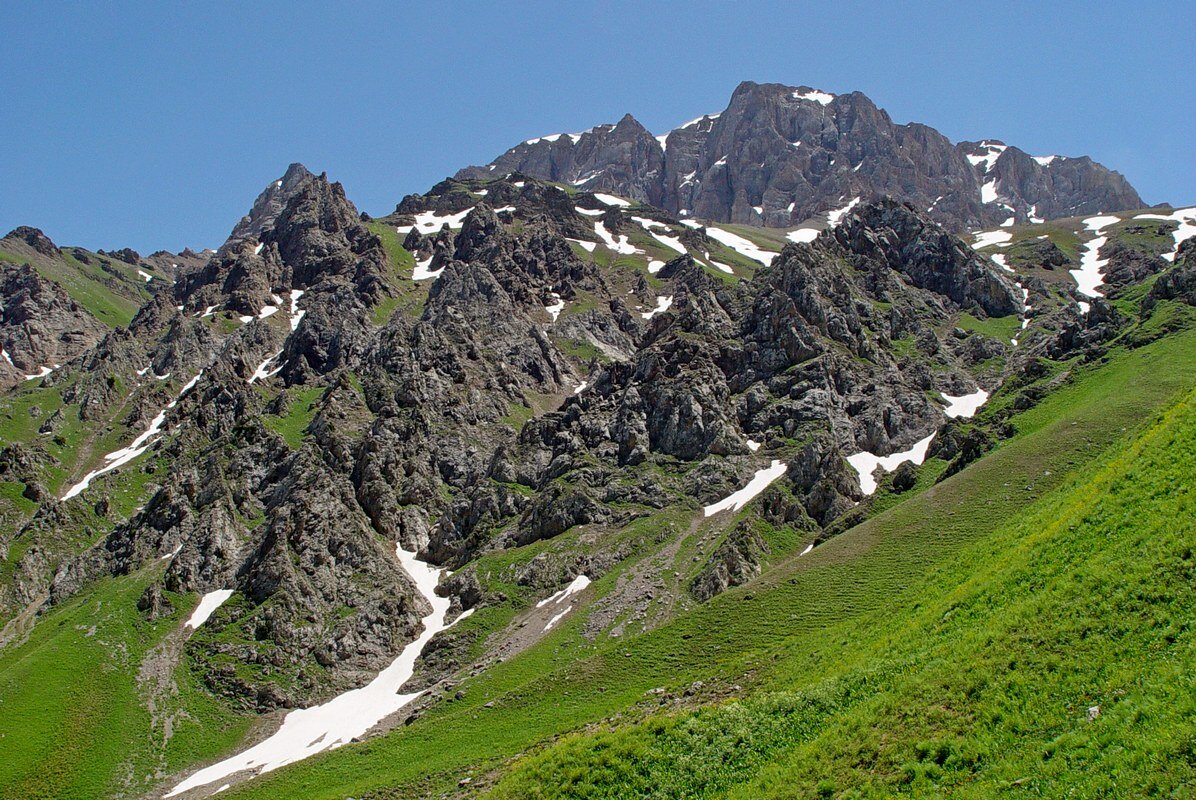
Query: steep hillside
pixel 521 457
pixel 778 155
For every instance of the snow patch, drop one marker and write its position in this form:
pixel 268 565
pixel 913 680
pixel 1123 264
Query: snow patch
pixel 422 271
pixel 207 604
pixel 804 235
pixel 662 304
pixel 556 308
pixel 611 200
pixel 584 245
pixel 865 463
pixel 833 218
pixel 964 406
pixel 1186 217
pixel 296 314
pixel 823 98
pixel 620 245
pixel 263 370
pixel 145 275
pixel 989 238
pixel 759 482
pixel 741 245
pixel 431 222
pixel 1090 273
pixel 305 732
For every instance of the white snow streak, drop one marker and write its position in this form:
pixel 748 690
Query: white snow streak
pixel 1089 275
pixel 584 245
pixel 308 731
pixel 759 482
pixel 866 463
pixel 741 245
pixel 1186 217
pixel 207 604
pixel 833 218
pixel 966 405
pixel 138 446
pixel 556 308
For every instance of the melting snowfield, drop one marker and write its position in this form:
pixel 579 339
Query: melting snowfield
pixel 985 238
pixel 308 731
pixel 1089 276
pixel 662 304
pixel 806 235
pixel 1186 218
pixel 866 463
pixel 135 448
pixel 965 406
pixel 207 604
pixel 757 484
pixel 741 245
pixel 620 245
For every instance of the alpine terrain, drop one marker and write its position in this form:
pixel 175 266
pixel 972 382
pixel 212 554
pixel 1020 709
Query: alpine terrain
pixel 790 453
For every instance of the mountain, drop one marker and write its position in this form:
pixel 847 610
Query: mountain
pixel 523 479
pixel 778 155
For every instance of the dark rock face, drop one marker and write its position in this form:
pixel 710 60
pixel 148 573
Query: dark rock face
pixel 779 155
pixel 1178 282
pixel 40 325
pixel 34 238
pixel 735 562
pixel 270 203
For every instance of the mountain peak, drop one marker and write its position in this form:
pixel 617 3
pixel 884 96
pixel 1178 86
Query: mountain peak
pixel 780 154
pixel 271 201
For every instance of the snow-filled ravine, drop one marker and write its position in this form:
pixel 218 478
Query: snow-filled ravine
pixel 759 482
pixel 308 731
pixel 138 446
pixel 1090 275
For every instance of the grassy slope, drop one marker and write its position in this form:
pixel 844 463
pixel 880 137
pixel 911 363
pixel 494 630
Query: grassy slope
pixel 982 685
pixel 72 722
pixel 112 296
pixel 804 623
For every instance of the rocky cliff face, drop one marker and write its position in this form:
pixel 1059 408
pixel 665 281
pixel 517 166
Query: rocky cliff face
pixel 779 155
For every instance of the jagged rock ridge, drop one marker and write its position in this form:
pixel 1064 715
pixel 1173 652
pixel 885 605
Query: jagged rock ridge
pixel 778 155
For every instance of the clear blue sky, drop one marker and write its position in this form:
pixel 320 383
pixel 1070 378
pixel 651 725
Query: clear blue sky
pixel 154 125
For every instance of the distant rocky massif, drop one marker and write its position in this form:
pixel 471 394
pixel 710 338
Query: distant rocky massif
pixel 778 155
pixel 606 352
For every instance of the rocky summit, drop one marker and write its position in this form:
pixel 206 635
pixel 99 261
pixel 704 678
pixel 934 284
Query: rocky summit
pixel 779 155
pixel 787 443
